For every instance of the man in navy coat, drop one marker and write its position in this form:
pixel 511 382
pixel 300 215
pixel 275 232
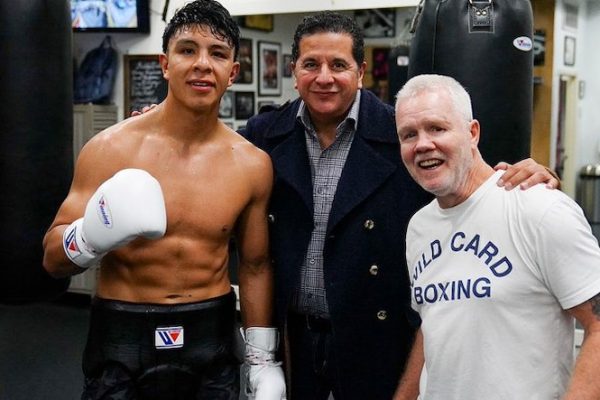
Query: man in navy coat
pixel 338 214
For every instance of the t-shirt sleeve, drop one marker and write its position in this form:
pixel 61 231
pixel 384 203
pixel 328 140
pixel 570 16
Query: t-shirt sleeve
pixel 568 253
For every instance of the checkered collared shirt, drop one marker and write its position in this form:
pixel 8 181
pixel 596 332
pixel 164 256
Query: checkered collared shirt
pixel 326 170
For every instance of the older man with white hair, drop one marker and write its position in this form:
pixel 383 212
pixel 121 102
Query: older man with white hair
pixel 497 276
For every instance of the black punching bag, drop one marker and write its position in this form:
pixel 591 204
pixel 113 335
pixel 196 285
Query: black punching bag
pixel 487 47
pixel 36 153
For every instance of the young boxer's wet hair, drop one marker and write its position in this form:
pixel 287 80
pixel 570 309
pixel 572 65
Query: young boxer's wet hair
pixel 207 13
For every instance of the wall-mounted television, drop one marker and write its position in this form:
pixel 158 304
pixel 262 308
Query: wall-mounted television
pixel 110 16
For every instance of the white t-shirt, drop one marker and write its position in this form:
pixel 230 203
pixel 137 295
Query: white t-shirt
pixel 491 279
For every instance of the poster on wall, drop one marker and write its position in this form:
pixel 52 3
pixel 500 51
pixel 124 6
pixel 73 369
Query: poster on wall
pixel 380 63
pixel 226 105
pixel 143 82
pixel 262 22
pixel 244 105
pixel 287 66
pixel 245 59
pixel 571 16
pixel 269 77
pixel 569 51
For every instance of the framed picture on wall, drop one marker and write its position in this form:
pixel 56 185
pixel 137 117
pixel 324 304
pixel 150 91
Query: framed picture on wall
pixel 263 22
pixel 143 82
pixel 245 54
pixel 377 22
pixel 226 105
pixel 380 63
pixel 569 51
pixel 287 65
pixel 244 105
pixel 570 16
pixel 269 76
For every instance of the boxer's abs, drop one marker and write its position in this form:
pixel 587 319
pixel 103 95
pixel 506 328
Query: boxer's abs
pixel 164 273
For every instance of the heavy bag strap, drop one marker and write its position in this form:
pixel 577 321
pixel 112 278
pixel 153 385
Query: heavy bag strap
pixel 415 20
pixel 481 16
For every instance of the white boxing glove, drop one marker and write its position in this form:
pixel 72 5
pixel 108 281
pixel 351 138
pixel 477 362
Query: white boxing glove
pixel 128 205
pixel 264 376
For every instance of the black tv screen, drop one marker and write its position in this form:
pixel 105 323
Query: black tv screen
pixel 110 16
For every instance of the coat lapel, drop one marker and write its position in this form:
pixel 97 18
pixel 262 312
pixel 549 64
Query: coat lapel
pixel 290 161
pixel 366 168
pixel 364 172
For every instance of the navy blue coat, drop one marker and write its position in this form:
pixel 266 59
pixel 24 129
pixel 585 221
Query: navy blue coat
pixel 366 279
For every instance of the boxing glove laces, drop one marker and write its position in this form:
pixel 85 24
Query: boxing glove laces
pixel 264 376
pixel 126 206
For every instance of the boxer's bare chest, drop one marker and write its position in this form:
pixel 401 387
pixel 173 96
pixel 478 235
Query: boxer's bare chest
pixel 205 188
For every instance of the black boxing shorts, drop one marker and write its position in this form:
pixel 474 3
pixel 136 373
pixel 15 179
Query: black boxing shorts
pixel 156 351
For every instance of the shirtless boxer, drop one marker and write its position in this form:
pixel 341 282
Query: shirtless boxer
pixel 155 200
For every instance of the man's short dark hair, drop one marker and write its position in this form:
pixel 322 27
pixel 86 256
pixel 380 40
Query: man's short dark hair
pixel 329 21
pixel 208 13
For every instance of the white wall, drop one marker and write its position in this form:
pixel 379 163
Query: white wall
pixel 586 146
pixel 571 73
pixel 589 127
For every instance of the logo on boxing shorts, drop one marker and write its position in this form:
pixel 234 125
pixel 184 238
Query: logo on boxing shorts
pixel 104 212
pixel 168 337
pixel 71 245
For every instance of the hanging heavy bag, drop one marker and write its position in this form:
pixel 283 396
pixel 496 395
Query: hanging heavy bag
pixel 487 47
pixel 36 142
pixel 95 78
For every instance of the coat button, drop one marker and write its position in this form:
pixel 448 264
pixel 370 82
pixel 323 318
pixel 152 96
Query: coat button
pixel 382 315
pixel 369 224
pixel 374 269
pixel 271 218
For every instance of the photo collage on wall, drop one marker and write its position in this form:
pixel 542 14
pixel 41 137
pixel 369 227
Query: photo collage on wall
pixel 263 67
